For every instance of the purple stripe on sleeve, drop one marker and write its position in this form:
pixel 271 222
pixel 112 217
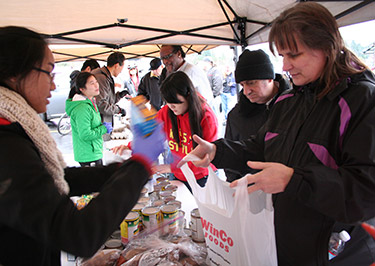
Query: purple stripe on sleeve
pixel 283 97
pixel 344 119
pixel 270 135
pixel 323 155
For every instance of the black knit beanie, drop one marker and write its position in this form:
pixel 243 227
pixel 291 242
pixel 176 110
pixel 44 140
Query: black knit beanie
pixel 254 65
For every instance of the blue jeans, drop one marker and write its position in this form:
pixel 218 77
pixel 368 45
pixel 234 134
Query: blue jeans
pixel 227 102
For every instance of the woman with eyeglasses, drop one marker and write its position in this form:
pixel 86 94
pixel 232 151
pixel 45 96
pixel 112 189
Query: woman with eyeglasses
pixel 37 217
pixel 87 129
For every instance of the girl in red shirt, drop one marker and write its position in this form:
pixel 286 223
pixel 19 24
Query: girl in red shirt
pixel 186 113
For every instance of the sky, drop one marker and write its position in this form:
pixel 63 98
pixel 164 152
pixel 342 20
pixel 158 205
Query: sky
pixel 362 33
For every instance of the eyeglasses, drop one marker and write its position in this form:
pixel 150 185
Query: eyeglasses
pixel 166 57
pixel 50 74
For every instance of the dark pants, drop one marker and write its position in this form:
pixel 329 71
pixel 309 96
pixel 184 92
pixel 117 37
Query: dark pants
pixel 93 163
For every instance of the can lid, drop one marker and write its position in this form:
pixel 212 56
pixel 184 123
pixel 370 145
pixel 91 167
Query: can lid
pixel 138 206
pixel 149 210
pixel 175 202
pixel 169 208
pixel 158 203
pixel 195 213
pixel 132 216
pixel 143 200
pixel 113 243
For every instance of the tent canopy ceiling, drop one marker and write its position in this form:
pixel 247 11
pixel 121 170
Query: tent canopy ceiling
pixel 93 29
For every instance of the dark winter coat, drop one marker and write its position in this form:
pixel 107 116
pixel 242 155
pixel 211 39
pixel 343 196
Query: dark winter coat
pixel 36 221
pixel 149 87
pixel 245 119
pixel 330 144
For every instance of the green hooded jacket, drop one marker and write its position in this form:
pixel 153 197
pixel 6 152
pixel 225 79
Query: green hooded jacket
pixel 87 129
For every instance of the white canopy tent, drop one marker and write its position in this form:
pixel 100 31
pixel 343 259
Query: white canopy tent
pixel 93 29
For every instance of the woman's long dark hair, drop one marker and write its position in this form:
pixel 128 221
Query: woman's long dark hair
pixel 80 83
pixel 179 83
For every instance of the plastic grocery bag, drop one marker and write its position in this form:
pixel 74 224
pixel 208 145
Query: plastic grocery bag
pixel 238 229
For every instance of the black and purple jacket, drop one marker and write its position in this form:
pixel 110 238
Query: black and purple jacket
pixel 330 144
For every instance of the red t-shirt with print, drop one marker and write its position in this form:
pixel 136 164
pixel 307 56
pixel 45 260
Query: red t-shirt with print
pixel 209 130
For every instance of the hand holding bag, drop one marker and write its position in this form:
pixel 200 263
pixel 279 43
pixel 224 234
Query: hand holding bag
pixel 238 229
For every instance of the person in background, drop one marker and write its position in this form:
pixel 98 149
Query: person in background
pixel 185 114
pixel 149 85
pixel 316 151
pixel 87 129
pixel 215 78
pixel 108 98
pixel 229 95
pixel 173 58
pixel 133 82
pixel 88 66
pixel 38 219
pixel 261 87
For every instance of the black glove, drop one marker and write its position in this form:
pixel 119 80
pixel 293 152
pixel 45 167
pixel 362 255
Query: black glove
pixel 123 93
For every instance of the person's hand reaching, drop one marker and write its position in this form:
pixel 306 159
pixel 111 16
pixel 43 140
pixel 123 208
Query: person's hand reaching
pixel 204 150
pixel 151 146
pixel 108 126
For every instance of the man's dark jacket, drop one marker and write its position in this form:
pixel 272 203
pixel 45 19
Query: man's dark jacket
pixel 245 119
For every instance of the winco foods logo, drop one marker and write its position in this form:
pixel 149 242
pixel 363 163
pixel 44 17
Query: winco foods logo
pixel 216 236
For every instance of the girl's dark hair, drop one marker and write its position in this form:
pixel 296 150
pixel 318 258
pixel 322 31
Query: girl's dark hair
pixel 80 83
pixel 180 83
pixel 317 29
pixel 21 50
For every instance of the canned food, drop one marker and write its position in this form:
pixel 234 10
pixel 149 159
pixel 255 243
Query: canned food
pixel 169 198
pixel 157 188
pixel 113 243
pixel 144 200
pixel 144 192
pixel 171 187
pixel 116 234
pixel 138 208
pixel 170 213
pixel 151 217
pixel 164 184
pixel 158 203
pixel 161 179
pixel 175 202
pixel 129 227
pixel 181 220
pixel 196 226
pixel 165 193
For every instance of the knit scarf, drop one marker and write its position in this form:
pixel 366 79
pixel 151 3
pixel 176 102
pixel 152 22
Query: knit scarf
pixel 14 108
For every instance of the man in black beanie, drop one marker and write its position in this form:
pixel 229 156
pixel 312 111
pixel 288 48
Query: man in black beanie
pixel 261 87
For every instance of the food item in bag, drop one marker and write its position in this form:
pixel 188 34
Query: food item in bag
pixel 142 118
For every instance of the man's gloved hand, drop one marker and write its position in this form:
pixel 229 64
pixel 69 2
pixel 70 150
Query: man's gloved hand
pixel 108 126
pixel 149 147
pixel 123 93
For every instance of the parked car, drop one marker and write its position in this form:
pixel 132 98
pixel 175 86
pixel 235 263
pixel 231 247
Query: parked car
pixel 56 107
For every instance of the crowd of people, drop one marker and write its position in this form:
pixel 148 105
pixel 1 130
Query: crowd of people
pixel 307 137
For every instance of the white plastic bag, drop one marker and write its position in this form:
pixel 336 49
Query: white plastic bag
pixel 238 229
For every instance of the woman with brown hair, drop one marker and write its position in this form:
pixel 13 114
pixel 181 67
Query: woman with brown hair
pixel 316 151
